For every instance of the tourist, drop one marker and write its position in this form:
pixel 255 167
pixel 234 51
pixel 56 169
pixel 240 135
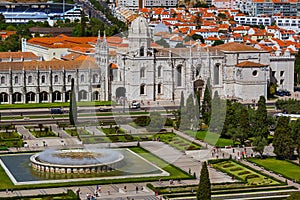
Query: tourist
pixel 108 192
pixel 99 189
pixel 125 188
pixel 136 189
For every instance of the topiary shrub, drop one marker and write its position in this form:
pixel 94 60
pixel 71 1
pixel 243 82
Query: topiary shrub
pixel 251 176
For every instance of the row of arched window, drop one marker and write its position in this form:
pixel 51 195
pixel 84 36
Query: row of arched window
pixel 95 79
pixel 44 96
pixel 143 89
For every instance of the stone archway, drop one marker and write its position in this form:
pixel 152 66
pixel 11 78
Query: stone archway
pixel 120 92
pixel 198 88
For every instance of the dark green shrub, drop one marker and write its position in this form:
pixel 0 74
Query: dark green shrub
pixel 251 176
pixel 142 121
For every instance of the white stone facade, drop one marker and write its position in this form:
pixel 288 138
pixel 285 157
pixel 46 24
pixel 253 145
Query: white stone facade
pixel 142 73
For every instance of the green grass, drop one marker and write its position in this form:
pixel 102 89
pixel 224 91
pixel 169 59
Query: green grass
pixel 10 139
pixel 39 134
pixel 109 131
pixel 71 132
pixel 243 173
pixel 283 167
pixel 211 138
pixel 54 105
pixel 175 173
pixel 5 180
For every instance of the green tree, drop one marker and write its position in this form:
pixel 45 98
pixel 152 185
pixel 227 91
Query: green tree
pixel 295 128
pixel 261 119
pixel 204 188
pixel 206 105
pixel 259 144
pixel 244 126
pixel 297 68
pixel 198 37
pixel 162 42
pixel 283 143
pixel 181 99
pixel 217 42
pixel 229 119
pixel 294 196
pixel 217 114
pixel 179 45
pixel 73 105
pixel 157 122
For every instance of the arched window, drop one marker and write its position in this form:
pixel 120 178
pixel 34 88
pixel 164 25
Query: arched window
pixel 16 80
pixel 69 78
pixel 29 79
pixel 159 71
pixel 142 51
pixel 82 78
pixel 159 91
pixel 2 80
pixel 198 68
pixel 142 73
pixel 43 79
pixel 56 79
pixel 216 74
pixel 142 89
pixel 179 75
pixel 95 78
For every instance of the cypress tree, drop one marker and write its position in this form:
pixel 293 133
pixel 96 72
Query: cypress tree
pixel 73 105
pixel 206 105
pixel 204 188
pixel 283 143
pixel 181 100
pixel 261 119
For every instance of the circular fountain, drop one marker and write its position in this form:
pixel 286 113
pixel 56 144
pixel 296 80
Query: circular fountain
pixel 77 161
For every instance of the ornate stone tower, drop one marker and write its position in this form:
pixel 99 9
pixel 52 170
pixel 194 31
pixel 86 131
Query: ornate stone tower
pixel 102 60
pixel 139 37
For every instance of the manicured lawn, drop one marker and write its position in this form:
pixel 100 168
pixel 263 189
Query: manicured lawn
pixel 211 138
pixel 39 134
pixel 5 180
pixel 71 132
pixel 285 168
pixel 175 173
pixel 244 173
pixel 115 130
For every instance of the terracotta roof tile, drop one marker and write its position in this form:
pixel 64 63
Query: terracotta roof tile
pixel 249 64
pixel 233 46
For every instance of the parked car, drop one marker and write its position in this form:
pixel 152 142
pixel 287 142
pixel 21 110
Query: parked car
pixel 279 93
pixel 56 111
pixel 286 93
pixel 135 105
pixel 105 109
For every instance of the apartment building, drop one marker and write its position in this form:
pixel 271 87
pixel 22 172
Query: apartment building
pixel 271 7
pixel 251 20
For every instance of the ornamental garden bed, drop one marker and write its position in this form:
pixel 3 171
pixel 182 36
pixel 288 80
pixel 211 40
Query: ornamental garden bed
pixel 244 173
pixel 285 168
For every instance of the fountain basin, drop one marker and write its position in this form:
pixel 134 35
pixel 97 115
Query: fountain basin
pixel 77 161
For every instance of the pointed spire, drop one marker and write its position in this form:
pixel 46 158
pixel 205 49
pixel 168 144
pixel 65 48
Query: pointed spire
pixel 104 37
pixel 98 40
